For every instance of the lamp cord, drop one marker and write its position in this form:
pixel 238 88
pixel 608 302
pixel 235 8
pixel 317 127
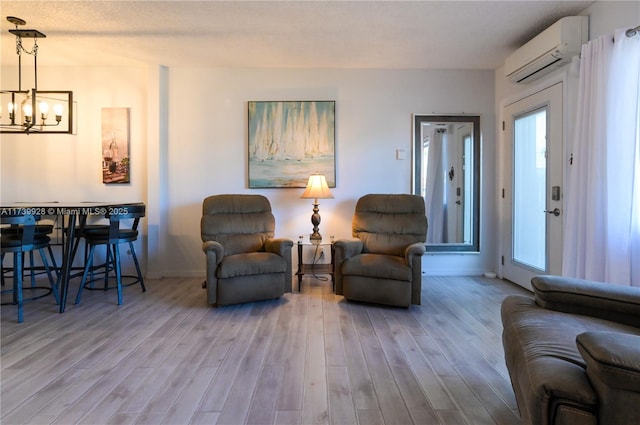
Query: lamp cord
pixel 316 257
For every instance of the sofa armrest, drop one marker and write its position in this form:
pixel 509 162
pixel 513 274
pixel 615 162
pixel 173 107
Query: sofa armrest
pixel 612 357
pixel 282 247
pixel 613 368
pixel 606 301
pixel 343 249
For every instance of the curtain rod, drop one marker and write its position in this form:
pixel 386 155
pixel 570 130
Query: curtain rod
pixel 632 31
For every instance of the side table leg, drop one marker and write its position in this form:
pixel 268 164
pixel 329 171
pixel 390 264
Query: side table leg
pixel 299 273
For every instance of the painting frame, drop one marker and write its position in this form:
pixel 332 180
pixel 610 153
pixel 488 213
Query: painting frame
pixel 115 146
pixel 288 141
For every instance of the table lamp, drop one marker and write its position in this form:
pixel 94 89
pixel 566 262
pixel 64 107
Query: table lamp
pixel 317 188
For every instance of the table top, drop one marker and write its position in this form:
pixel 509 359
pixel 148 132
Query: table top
pixel 44 208
pixel 304 240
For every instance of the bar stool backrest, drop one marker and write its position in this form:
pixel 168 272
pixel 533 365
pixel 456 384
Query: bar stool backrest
pixel 125 212
pixel 26 237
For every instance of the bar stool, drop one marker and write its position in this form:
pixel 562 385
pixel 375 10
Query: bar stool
pixel 34 270
pixel 112 237
pixel 19 239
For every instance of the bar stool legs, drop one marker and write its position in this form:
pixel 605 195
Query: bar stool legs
pixel 113 263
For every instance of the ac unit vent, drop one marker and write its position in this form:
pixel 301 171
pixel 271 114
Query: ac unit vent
pixel 548 51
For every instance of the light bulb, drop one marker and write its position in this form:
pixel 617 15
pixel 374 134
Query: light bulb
pixel 28 112
pixel 57 108
pixel 44 110
pixel 11 108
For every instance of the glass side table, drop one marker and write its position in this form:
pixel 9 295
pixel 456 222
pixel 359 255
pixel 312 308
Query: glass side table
pixel 315 268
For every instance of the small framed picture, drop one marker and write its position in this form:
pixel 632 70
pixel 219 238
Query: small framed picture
pixel 115 146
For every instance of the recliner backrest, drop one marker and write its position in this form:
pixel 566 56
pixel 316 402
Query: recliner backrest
pixel 240 223
pixel 387 224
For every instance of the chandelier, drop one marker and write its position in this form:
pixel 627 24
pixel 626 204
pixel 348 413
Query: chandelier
pixel 31 110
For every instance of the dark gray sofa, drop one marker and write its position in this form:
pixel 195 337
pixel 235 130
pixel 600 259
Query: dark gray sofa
pixel 573 352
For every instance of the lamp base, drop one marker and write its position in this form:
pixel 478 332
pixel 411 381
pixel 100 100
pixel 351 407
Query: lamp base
pixel 315 220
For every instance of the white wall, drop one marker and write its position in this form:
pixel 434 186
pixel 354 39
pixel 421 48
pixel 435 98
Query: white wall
pixel 189 140
pixel 207 147
pixel 68 167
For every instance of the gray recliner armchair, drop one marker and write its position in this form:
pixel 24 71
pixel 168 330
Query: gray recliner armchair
pixel 383 263
pixel 245 262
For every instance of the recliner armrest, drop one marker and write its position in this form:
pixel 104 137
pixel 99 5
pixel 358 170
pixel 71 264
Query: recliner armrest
pixel 280 246
pixel 607 301
pixel 213 247
pixel 346 248
pixel 414 249
pixel 214 252
pixel 613 368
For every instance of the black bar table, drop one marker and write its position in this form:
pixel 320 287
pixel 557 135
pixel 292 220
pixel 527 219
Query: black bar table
pixel 72 211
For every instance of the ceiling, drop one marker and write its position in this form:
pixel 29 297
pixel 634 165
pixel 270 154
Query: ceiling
pixel 281 34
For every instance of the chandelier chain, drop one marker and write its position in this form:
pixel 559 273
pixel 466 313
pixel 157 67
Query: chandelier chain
pixel 20 48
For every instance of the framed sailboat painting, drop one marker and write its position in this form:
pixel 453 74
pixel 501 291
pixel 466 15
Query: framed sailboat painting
pixel 288 140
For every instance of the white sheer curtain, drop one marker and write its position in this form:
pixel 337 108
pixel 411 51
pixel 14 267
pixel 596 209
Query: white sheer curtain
pixel 623 168
pixel 435 196
pixel 602 205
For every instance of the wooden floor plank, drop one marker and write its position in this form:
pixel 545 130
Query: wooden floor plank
pixel 315 403
pixel 238 402
pixel 360 381
pixel 165 356
pixel 293 353
pixel 263 406
pixel 341 406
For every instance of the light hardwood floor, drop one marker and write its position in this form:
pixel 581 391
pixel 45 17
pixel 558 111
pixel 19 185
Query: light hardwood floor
pixel 165 357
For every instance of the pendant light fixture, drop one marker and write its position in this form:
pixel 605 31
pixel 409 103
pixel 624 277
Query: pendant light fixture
pixel 31 110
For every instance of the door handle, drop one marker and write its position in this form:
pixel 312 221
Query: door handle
pixel 555 211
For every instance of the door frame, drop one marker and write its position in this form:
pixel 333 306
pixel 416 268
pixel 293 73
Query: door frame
pixel 503 209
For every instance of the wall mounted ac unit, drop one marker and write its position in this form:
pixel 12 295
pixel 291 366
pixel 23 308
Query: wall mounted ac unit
pixel 548 51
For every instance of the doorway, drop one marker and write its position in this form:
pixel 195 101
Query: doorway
pixel 532 186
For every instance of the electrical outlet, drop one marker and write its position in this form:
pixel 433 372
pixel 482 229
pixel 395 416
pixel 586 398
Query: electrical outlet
pixel 321 253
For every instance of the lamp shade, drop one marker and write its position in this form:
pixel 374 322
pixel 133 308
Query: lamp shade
pixel 317 188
